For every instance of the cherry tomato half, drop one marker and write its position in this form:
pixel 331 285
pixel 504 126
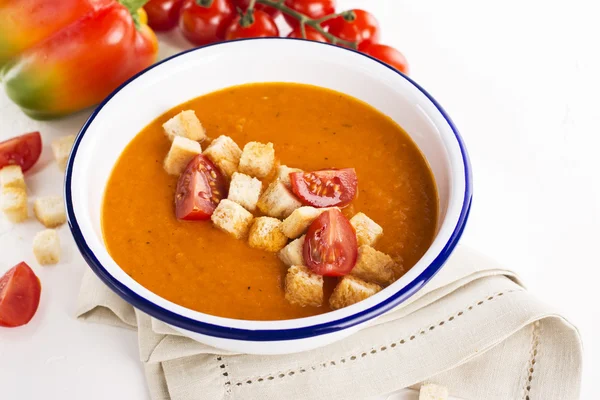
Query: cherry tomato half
pixel 364 27
pixel 263 26
pixel 311 34
pixel 203 25
pixel 163 14
pixel 199 189
pixel 20 291
pixel 243 5
pixel 23 150
pixel 387 54
pixel 330 247
pixel 325 188
pixel 311 8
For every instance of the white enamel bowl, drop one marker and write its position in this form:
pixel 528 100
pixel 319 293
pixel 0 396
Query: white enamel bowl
pixel 185 76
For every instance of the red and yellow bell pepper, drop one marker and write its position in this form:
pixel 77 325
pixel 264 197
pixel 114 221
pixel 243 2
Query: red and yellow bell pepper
pixel 61 56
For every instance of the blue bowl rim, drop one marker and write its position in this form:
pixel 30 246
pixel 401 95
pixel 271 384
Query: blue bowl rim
pixel 258 335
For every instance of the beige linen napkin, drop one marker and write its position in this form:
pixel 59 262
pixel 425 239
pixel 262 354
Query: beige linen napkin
pixel 473 328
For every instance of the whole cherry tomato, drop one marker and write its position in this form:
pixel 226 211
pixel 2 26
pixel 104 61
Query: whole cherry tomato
pixel 311 34
pixel 163 15
pixel 311 8
pixel 262 25
pixel 243 5
pixel 387 54
pixel 204 24
pixel 364 27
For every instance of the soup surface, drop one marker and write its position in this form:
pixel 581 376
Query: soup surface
pixel 193 264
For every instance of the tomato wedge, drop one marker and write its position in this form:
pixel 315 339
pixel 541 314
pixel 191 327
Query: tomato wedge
pixel 22 150
pixel 199 190
pixel 330 247
pixel 325 188
pixel 20 291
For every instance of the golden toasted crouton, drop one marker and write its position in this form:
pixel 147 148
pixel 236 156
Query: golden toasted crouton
pixel 232 218
pixel 373 266
pixel 185 124
pixel 277 201
pixel 11 176
pixel 244 190
pixel 182 151
pixel 299 220
pixel 303 287
pixel 46 247
pixel 50 211
pixel 13 202
pixel 283 174
pixel 225 153
pixel 292 253
pixel 351 290
pixel 61 148
pixel 431 391
pixel 266 235
pixel 367 230
pixel 257 159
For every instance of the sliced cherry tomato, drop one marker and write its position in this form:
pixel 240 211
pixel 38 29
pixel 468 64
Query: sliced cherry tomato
pixel 20 291
pixel 163 15
pixel 325 188
pixel 23 150
pixel 363 28
pixel 311 34
pixel 387 54
pixel 311 8
pixel 243 5
pixel 205 24
pixel 262 26
pixel 330 247
pixel 199 190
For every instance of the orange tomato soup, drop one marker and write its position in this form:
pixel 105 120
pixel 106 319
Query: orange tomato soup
pixel 193 264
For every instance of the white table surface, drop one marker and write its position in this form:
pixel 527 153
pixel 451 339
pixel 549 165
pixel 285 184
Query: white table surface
pixel 519 78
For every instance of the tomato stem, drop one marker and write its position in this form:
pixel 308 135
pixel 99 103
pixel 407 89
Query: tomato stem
pixel 204 3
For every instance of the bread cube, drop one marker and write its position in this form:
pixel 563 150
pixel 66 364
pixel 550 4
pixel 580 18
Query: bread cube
pixel 367 230
pixel 11 176
pixel 225 154
pixel 13 202
pixel 61 148
pixel 266 235
pixel 351 290
pixel 257 159
pixel 50 211
pixel 373 266
pixel 182 151
pixel 46 247
pixel 278 201
pixel 185 124
pixel 292 253
pixel 299 220
pixel 303 287
pixel 244 190
pixel 431 391
pixel 232 218
pixel 283 174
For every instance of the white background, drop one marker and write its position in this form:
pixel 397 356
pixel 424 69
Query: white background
pixel 521 81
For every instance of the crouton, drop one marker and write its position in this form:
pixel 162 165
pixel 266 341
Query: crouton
pixel 11 176
pixel 257 159
pixel 13 202
pixel 61 148
pixel 266 235
pixel 283 174
pixel 185 124
pixel 373 266
pixel 431 391
pixel 50 211
pixel 225 153
pixel 367 230
pixel 46 247
pixel 299 220
pixel 182 151
pixel 303 287
pixel 292 253
pixel 351 290
pixel 232 218
pixel 277 201
pixel 244 190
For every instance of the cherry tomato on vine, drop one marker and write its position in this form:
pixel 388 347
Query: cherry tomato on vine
pixel 311 34
pixel 387 54
pixel 205 24
pixel 243 5
pixel 163 15
pixel 363 28
pixel 261 26
pixel 311 8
